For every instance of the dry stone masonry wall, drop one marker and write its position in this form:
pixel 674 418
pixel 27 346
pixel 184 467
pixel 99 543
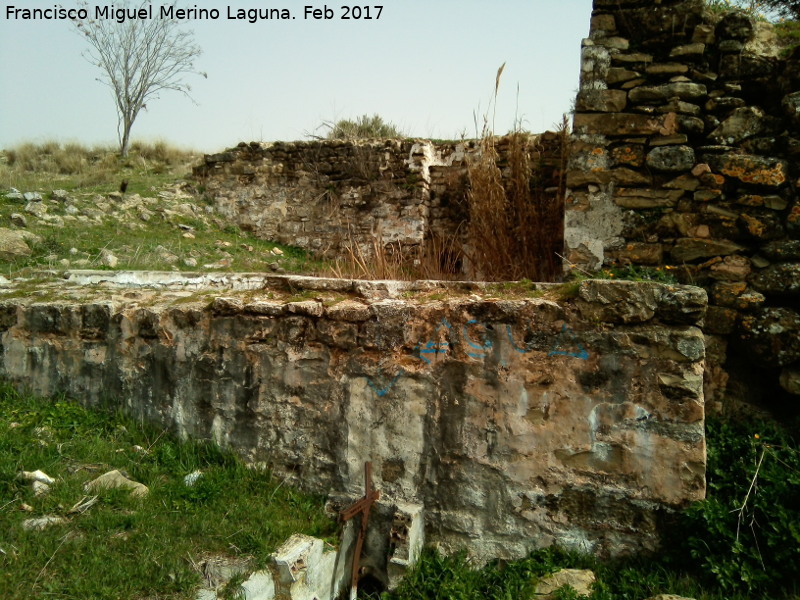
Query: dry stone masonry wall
pixel 687 132
pixel 573 414
pixel 331 196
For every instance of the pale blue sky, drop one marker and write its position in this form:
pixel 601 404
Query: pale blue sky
pixel 427 66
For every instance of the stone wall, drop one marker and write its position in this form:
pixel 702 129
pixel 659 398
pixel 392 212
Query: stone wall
pixel 331 196
pixel 516 417
pixel 687 131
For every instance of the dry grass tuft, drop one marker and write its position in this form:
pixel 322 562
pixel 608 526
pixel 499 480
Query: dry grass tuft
pixel 439 258
pixel 516 207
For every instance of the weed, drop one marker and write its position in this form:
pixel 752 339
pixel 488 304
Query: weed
pixel 748 530
pixel 739 543
pixel 124 547
pixel 665 274
pixel 515 212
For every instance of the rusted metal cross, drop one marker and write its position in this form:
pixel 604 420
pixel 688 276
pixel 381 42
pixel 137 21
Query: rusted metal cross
pixel 362 506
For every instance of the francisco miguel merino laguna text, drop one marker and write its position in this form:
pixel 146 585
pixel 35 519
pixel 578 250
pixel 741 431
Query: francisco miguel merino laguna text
pixel 120 15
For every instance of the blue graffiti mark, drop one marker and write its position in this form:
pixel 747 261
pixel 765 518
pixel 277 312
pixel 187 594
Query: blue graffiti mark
pixel 441 348
pixel 381 392
pixel 568 336
pixel 487 343
pixel 434 347
pixel 524 350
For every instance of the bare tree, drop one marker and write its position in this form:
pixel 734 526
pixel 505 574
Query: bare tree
pixel 139 58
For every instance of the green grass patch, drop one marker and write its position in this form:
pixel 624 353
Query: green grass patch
pixel 125 547
pixel 160 223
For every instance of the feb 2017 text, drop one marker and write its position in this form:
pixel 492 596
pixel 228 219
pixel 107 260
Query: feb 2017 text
pixel 251 15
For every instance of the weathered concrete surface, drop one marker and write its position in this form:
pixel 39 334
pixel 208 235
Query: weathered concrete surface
pixel 516 418
pixel 301 569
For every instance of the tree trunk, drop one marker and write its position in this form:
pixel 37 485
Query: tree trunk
pixel 126 140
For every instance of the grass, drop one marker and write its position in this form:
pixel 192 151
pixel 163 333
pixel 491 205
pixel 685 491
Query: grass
pixel 124 547
pixel 158 224
pixel 99 169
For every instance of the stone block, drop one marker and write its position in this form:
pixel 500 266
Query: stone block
pixel 666 69
pixel 771 336
pixel 790 380
pixel 671 159
pixel 641 198
pixel 782 251
pixel 579 580
pixel 743 123
pixel 227 306
pixel 624 124
pixel 629 154
pixel 611 101
pixel 720 321
pixel 731 268
pixel 656 93
pixel 691 249
pixel 782 279
pixel 617 75
pixel 693 50
pixel 639 253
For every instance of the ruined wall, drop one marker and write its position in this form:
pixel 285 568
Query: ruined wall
pixel 572 414
pixel 328 196
pixel 687 130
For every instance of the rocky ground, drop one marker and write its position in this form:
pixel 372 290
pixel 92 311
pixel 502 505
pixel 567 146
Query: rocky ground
pixel 173 228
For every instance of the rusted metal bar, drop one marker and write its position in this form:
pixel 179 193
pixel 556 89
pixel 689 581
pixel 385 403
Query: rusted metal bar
pixel 363 507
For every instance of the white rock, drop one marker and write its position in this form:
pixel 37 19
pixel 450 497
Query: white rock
pixel 108 259
pixel 192 478
pixel 115 479
pixel 36 208
pixel 37 475
pixel 580 580
pixel 40 489
pixel 42 522
pixel 12 244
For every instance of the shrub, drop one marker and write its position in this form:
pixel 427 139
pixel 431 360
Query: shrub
pixel 363 127
pixel 747 532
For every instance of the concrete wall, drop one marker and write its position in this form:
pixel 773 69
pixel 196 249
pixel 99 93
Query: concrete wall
pixel 516 418
pixel 687 131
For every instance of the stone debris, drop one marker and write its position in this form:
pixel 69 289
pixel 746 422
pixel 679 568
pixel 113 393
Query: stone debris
pixel 13 245
pixel 116 480
pixel 42 522
pixel 14 195
pixel 37 475
pixel 108 259
pixel 578 579
pixel 39 488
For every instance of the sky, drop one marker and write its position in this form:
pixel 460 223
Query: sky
pixel 428 66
